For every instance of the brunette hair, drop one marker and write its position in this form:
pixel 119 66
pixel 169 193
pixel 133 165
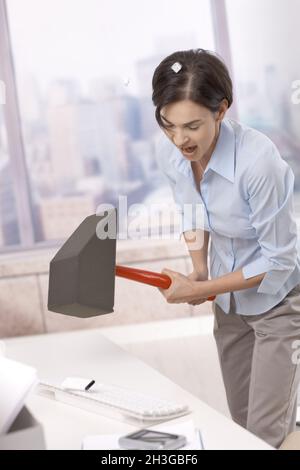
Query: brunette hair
pixel 203 78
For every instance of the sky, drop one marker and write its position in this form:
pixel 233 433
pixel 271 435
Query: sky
pixel 264 32
pixel 90 38
pixel 84 39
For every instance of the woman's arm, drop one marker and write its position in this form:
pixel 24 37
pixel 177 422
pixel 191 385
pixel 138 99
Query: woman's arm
pixel 228 283
pixel 184 290
pixel 197 245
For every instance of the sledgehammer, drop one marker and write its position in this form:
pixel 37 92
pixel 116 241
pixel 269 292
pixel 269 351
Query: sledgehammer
pixel 82 273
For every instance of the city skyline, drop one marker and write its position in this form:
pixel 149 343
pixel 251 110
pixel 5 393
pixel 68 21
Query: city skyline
pixel 71 117
pixel 90 135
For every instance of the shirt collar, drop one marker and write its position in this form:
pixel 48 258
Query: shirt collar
pixel 222 160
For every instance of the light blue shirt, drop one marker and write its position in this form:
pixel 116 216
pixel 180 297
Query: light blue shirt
pixel 247 196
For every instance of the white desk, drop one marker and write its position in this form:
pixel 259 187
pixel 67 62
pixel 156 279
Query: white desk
pixel 88 353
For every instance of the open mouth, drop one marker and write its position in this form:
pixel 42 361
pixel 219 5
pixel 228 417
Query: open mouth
pixel 189 150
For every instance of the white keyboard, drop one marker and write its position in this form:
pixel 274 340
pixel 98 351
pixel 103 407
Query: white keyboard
pixel 116 402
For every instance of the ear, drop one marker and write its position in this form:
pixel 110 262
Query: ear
pixel 222 110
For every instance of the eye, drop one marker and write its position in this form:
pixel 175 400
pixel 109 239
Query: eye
pixel 193 128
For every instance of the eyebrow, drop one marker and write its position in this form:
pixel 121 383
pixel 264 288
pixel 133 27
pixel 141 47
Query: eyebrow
pixel 186 124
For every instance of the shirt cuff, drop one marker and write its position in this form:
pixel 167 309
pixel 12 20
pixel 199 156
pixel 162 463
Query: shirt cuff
pixel 273 279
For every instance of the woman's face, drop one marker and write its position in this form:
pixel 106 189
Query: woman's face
pixel 193 128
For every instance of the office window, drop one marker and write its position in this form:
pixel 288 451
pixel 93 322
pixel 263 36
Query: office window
pixel 9 233
pixel 265 38
pixel 83 74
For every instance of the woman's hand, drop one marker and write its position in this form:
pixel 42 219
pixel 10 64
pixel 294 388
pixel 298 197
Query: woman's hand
pixel 198 276
pixel 182 289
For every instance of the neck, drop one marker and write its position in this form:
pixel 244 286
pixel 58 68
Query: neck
pixel 205 159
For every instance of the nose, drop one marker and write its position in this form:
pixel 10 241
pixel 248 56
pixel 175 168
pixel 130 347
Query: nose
pixel 180 140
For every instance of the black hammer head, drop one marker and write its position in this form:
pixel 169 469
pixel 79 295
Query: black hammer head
pixel 82 273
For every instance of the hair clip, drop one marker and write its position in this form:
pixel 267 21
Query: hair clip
pixel 176 67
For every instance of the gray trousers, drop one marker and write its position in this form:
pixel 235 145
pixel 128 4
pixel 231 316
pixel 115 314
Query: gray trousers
pixel 260 373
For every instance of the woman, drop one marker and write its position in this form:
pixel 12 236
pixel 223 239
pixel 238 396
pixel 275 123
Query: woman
pixel 246 191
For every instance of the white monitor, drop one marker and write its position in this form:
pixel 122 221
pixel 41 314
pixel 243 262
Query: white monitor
pixel 16 381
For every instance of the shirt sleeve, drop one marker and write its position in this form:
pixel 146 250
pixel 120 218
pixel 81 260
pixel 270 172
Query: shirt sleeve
pixel 270 191
pixel 187 205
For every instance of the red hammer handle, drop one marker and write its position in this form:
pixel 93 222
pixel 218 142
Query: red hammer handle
pixel 146 277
